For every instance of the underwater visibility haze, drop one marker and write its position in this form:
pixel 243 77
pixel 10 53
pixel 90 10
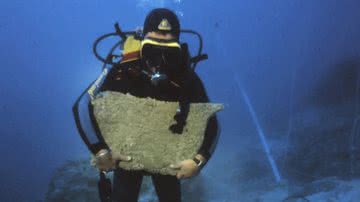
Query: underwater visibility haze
pixel 287 72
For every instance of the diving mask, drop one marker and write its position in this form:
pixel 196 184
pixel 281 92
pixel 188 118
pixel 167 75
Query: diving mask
pixel 160 58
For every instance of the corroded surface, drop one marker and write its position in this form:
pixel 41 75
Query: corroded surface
pixel 139 127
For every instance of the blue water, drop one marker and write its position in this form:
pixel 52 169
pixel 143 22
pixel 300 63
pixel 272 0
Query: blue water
pixel 282 51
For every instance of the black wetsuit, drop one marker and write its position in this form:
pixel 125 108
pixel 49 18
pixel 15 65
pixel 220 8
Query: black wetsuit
pixel 186 87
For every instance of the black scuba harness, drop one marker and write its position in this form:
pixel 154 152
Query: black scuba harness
pixel 83 109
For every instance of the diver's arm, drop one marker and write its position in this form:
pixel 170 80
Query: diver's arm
pixel 104 159
pixel 198 95
pixel 189 167
pixel 210 140
pixel 95 148
pixel 108 84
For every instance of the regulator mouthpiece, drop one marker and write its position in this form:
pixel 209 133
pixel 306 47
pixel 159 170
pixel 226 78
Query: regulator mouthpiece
pixel 157 77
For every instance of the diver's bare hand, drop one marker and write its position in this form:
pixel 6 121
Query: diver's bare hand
pixel 186 169
pixel 105 160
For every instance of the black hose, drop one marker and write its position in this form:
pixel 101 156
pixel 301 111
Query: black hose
pixel 98 40
pixel 199 54
pixel 110 54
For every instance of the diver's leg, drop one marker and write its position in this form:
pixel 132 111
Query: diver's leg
pixel 126 185
pixel 167 187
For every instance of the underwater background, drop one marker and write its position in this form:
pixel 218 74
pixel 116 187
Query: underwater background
pixel 288 73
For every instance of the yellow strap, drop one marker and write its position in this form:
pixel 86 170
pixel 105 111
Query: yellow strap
pixel 167 44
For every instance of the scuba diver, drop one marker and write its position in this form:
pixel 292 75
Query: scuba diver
pixel 153 64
